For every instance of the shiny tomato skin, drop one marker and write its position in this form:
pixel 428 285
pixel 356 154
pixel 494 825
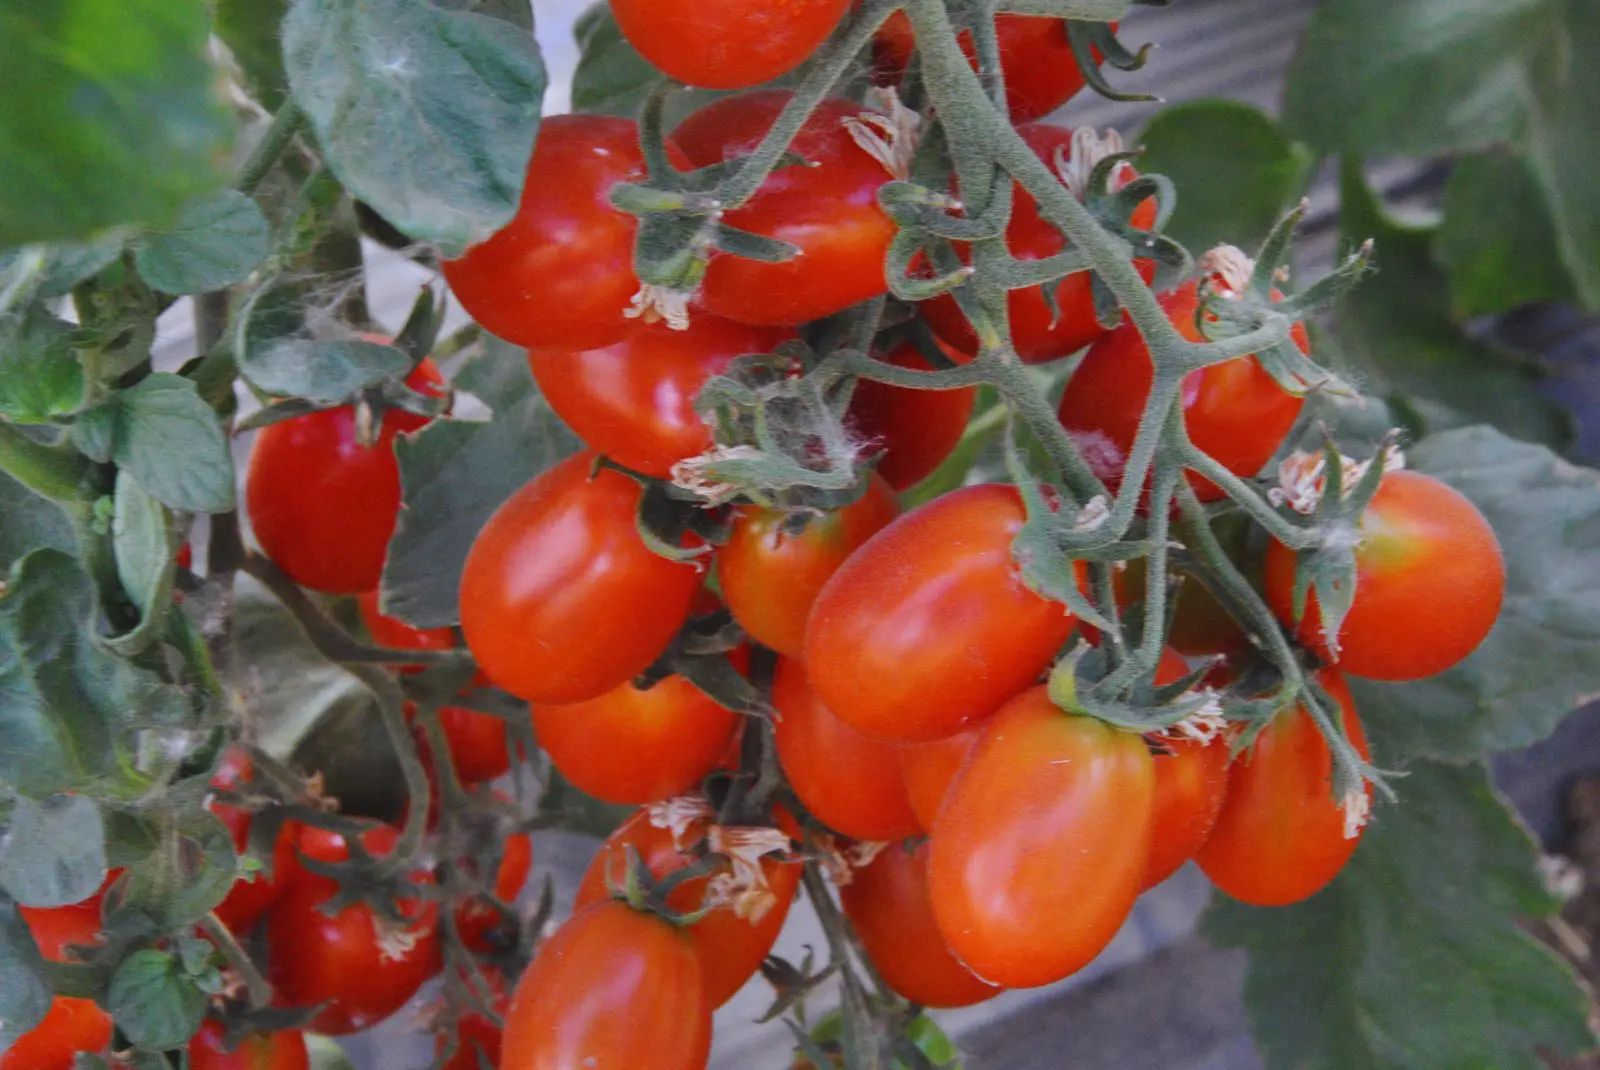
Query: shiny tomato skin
pixel 396 634
pixel 915 429
pixel 343 961
pixel 560 274
pixel 561 600
pixel 613 987
pixel 1234 411
pixel 1191 781
pixel 928 770
pixel 476 921
pixel 770 578
pixel 321 504
pixel 726 44
pixel 928 627
pixel 1040 849
pixel 1038 332
pixel 888 903
pixel 250 898
pixel 630 746
pixel 849 782
pixel 828 209
pixel 633 401
pixel 69 1027
pixel 283 1050
pixel 1280 836
pixel 731 948
pixel 1430 581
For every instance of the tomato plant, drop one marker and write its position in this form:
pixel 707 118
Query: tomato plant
pixel 915 429
pixel 249 899
pixel 284 1050
pixel 477 922
pixel 69 1027
pixel 737 44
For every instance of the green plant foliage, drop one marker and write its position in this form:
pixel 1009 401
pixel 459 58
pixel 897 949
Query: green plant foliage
pixel 55 851
pixel 213 244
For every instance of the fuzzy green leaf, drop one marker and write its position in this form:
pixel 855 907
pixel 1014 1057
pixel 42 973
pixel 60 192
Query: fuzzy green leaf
pixel 30 523
pixel 154 1001
pixel 324 372
pixel 250 29
pixel 40 376
pixel 55 851
pixel 213 244
pixel 612 78
pixel 181 884
pixel 145 544
pixel 24 989
pixel 171 442
pixel 1498 243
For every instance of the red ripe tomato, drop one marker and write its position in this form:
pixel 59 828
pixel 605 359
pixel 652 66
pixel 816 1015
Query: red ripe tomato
pixel 1405 623
pixel 633 746
pixel 888 903
pixel 612 988
pixel 70 1026
pixel 731 948
pixel 284 1050
pixel 1038 332
pixel 249 899
pixel 726 44
pixel 477 1037
pixel 849 782
pixel 321 504
pixel 771 578
pixel 634 400
pixel 828 208
pixel 362 968
pixel 928 627
pixel 560 274
pixel 928 770
pixel 477 921
pixel 561 600
pixel 915 429
pixel 396 634
pixel 1191 781
pixel 1040 849
pixel 1041 72
pixel 1280 837
pixel 58 929
pixel 1234 411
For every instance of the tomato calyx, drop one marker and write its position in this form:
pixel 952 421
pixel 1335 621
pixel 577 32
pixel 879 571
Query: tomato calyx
pixel 730 855
pixel 699 654
pixel 1086 682
pixel 887 131
pixel 1097 42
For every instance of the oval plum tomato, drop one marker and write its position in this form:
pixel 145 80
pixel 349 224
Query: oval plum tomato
pixel 1041 71
pixel 613 987
pixel 360 967
pixel 560 274
pixel 1281 835
pixel 250 897
pixel 915 429
pixel 69 1027
pixel 887 901
pixel 726 44
pixel 477 921
pixel 771 577
pixel 731 948
pixel 1040 849
pixel 828 208
pixel 283 1050
pixel 633 746
pixel 849 782
pixel 561 600
pixel 1430 580
pixel 321 504
pixel 1038 331
pixel 928 627
pixel 396 634
pixel 928 770
pixel 1234 411
pixel 1191 781
pixel 633 401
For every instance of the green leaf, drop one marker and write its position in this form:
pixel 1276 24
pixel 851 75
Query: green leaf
pixel 145 544
pixel 154 1001
pixel 120 121
pixel 250 29
pixel 428 115
pixel 1418 77
pixel 1542 660
pixel 1236 172
pixel 29 522
pixel 612 78
pixel 327 1055
pixel 24 989
pixel 325 372
pixel 1399 331
pixel 54 852
pixel 213 244
pixel 171 442
pixel 455 473
pixel 1412 959
pixel 184 881
pixel 73 263
pixel 40 376
pixel 1498 243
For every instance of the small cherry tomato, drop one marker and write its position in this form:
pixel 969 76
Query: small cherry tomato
pixel 827 207
pixel 770 576
pixel 731 947
pixel 560 274
pixel 69 1027
pixel 612 988
pixel 928 770
pixel 321 504
pixel 735 43
pixel 1191 781
pixel 561 600
pixel 1281 835
pixel 283 1050
pixel 396 634
pixel 849 782
pixel 360 967
pixel 1040 849
pixel 477 921
pixel 887 902
pixel 915 429
pixel 1430 580
pixel 250 897
pixel 928 627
